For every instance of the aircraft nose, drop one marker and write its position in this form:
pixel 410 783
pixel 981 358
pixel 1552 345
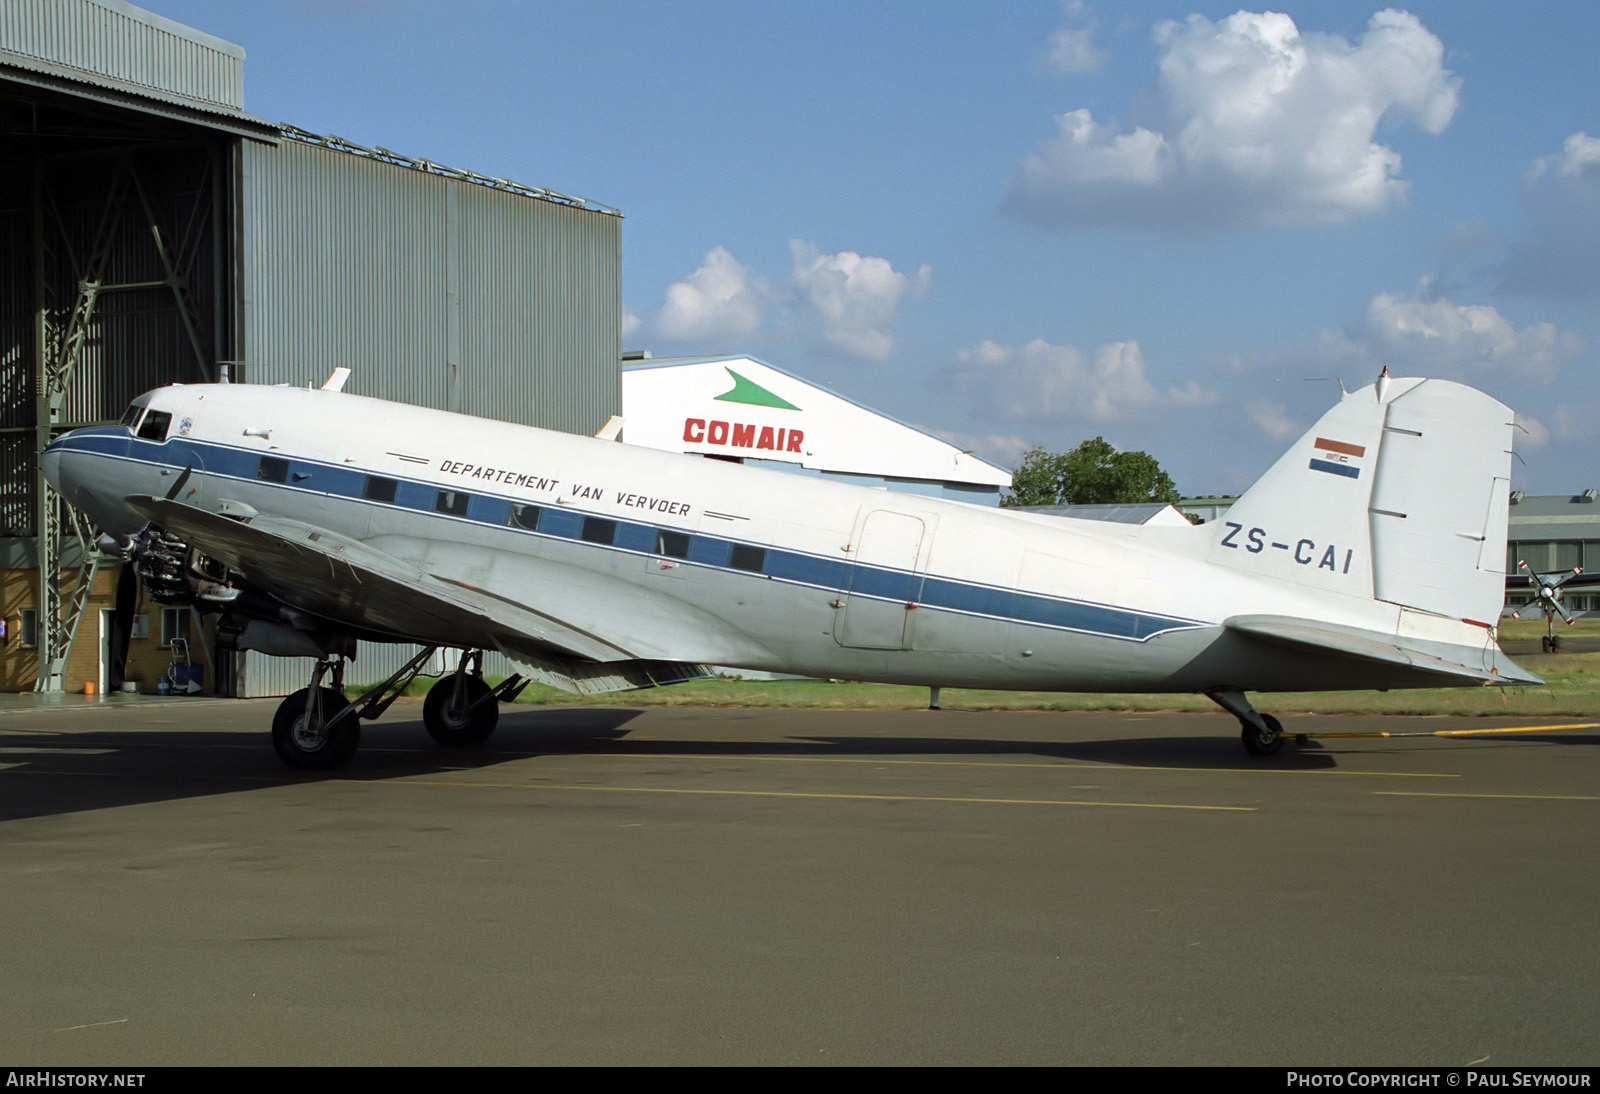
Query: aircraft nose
pixel 50 463
pixel 73 465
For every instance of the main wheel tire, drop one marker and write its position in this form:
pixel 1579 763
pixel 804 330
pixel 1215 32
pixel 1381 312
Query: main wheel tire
pixel 310 747
pixel 1555 644
pixel 455 728
pixel 1258 744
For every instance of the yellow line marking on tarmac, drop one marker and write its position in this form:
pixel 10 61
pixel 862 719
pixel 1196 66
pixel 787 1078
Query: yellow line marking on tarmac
pixel 1518 797
pixel 88 1025
pixel 1448 732
pixel 802 794
pixel 1001 763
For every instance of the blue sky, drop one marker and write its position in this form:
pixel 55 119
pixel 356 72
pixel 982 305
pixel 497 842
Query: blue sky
pixel 1175 225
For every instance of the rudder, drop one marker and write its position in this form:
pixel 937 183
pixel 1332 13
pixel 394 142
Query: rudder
pixel 1399 492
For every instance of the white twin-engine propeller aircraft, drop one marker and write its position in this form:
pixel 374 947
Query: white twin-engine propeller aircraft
pixel 1369 556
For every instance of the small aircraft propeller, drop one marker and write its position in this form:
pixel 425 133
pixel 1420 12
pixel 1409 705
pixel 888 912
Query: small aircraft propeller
pixel 1547 597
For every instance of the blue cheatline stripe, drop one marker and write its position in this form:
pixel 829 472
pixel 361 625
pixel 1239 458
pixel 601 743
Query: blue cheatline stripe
pixel 564 522
pixel 1336 469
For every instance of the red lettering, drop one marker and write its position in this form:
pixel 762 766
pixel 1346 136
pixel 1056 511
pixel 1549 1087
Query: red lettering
pixel 694 430
pixel 744 436
pixel 766 437
pixel 795 437
pixel 717 433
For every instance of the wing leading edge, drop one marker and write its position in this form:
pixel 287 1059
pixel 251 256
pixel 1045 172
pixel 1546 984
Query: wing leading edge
pixel 346 581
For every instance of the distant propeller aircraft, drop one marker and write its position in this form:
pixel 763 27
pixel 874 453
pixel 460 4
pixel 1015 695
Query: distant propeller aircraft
pixel 1548 592
pixel 1368 556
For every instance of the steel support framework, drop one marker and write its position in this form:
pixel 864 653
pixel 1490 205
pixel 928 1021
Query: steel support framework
pixel 63 327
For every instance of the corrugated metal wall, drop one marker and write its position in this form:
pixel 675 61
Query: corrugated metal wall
pixel 101 39
pixel 261 676
pixel 436 291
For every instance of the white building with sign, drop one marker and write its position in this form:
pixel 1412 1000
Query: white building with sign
pixel 739 408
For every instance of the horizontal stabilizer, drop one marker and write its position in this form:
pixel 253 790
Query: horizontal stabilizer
pixel 1484 663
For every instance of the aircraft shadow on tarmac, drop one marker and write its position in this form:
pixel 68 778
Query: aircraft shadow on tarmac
pixel 45 773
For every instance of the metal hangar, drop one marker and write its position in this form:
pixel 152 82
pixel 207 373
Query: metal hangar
pixel 153 231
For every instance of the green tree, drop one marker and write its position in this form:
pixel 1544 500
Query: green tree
pixel 1093 473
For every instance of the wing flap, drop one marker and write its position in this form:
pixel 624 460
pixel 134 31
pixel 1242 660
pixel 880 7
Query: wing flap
pixel 596 678
pixel 1484 663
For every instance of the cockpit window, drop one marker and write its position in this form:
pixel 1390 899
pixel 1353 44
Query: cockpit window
pixel 154 426
pixel 130 417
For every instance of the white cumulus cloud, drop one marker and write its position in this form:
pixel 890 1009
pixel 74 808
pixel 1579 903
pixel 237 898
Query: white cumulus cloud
pixel 845 302
pixel 1432 336
pixel 1072 48
pixel 1259 123
pixel 1560 258
pixel 721 299
pixel 849 301
pixel 1044 382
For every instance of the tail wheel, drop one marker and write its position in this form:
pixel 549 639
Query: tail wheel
pixel 1262 744
pixel 303 737
pixel 448 716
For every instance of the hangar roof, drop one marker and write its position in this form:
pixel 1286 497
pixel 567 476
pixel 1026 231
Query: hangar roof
pixel 114 52
pixel 1555 516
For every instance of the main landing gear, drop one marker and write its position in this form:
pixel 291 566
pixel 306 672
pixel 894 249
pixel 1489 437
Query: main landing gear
pixel 462 709
pixel 317 728
pixel 1261 734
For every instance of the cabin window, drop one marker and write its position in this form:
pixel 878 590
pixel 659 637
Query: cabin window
pixel 525 517
pixel 154 426
pixel 453 502
pixel 378 488
pixel 598 530
pixel 672 544
pixel 272 469
pixel 747 558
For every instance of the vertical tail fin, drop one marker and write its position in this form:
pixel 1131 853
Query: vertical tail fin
pixel 1399 493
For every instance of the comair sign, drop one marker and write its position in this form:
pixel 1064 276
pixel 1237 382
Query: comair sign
pixel 741 435
pixel 739 408
pixel 729 434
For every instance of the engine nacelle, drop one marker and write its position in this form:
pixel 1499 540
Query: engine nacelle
pixel 281 639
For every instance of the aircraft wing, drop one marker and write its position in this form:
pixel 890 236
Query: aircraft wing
pixel 1576 583
pixel 343 579
pixel 1486 664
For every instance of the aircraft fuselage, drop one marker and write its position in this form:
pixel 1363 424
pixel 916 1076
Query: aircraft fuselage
pixel 682 558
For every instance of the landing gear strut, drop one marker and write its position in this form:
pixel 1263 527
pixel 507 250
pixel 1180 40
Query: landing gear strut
pixel 1261 734
pixel 462 709
pixel 315 729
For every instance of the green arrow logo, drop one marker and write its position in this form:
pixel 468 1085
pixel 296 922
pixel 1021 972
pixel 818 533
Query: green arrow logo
pixel 745 390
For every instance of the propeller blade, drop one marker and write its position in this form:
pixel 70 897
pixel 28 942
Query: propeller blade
pixel 123 609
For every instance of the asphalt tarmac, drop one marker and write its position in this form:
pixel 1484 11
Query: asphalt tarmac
pixel 692 886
